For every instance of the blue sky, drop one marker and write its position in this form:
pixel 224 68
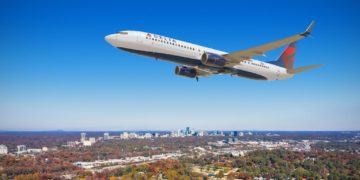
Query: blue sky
pixel 57 72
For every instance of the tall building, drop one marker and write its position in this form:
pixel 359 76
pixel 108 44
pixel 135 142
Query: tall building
pixel 83 137
pixel 156 135
pixel 187 131
pixel 192 133
pixel 148 136
pixel 180 133
pixel 44 149
pixel 174 134
pixel 202 133
pixel 133 135
pixel 219 133
pixel 3 149
pixel 21 149
pixel 106 136
pixel 124 135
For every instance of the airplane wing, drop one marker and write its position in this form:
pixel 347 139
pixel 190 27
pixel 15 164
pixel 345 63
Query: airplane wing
pixel 236 57
pixel 201 72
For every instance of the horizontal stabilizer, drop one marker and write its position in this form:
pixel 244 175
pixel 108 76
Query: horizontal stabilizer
pixel 302 69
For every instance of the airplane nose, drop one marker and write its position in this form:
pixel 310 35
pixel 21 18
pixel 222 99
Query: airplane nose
pixel 111 38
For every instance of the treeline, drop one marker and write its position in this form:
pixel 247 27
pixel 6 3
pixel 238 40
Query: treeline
pixel 348 146
pixel 12 166
pixel 115 149
pixel 278 164
pixel 282 164
pixel 36 139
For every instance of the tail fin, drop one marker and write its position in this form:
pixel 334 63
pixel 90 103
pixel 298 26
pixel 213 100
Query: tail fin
pixel 287 58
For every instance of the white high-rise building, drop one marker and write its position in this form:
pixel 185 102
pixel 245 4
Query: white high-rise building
pixel 106 136
pixel 156 135
pixel 3 149
pixel 83 137
pixel 44 149
pixel 133 135
pixel 202 133
pixel 21 149
pixel 124 135
pixel 148 136
pixel 180 133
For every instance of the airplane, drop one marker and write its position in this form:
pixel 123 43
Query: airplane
pixel 199 61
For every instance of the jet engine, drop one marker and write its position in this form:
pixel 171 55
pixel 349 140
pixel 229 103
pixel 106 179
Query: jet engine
pixel 185 71
pixel 214 60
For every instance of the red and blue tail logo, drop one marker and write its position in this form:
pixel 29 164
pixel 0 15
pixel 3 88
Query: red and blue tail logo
pixel 287 58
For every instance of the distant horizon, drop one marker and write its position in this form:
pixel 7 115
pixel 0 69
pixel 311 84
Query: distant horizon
pixel 170 130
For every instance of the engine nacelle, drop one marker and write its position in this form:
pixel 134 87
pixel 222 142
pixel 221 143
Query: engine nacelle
pixel 185 71
pixel 214 60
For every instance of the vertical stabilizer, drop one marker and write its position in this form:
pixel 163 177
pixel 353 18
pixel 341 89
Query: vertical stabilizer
pixel 287 58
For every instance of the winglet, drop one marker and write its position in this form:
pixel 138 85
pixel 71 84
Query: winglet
pixel 308 29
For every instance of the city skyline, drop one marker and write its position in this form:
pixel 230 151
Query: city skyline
pixel 58 72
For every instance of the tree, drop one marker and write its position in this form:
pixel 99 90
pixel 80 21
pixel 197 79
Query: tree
pixel 34 176
pixel 220 174
pixel 113 178
pixel 300 173
pixel 171 174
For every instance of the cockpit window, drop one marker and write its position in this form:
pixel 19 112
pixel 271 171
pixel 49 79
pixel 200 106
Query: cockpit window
pixel 122 32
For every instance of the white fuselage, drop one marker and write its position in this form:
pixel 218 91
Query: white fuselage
pixel 190 54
